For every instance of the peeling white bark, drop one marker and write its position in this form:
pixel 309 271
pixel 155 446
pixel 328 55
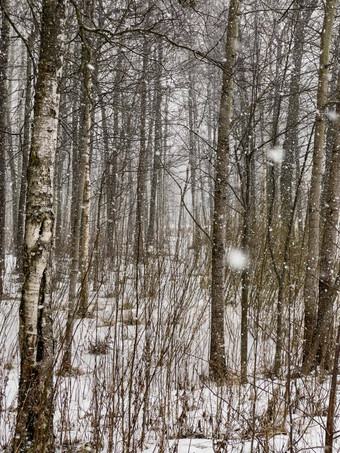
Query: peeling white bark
pixel 34 428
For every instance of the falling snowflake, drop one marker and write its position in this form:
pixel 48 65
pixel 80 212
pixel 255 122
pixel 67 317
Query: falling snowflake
pixel 276 154
pixel 237 259
pixel 332 115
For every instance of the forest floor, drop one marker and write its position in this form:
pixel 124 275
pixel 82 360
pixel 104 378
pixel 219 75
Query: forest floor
pixel 110 402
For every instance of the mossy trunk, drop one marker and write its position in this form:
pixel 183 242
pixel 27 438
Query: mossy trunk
pixel 34 426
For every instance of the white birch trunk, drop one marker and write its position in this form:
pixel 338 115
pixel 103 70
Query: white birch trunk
pixel 34 428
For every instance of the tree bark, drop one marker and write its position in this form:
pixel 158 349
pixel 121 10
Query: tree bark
pixel 157 151
pixel 311 287
pixel 112 158
pixel 329 435
pixel 85 161
pixel 80 203
pixel 4 51
pixel 193 161
pixel 142 174
pixel 85 196
pixel 245 272
pixel 34 427
pixel 25 154
pixel 328 253
pixel 291 142
pixel 217 361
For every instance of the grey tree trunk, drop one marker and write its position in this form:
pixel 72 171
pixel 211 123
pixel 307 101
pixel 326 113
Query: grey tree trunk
pixel 311 287
pixel 330 123
pixel 34 426
pixel 142 173
pixel 157 151
pixel 85 196
pixel 246 176
pixel 113 162
pixel 77 192
pixel 291 142
pixel 245 272
pixel 193 160
pixel 217 362
pixel 328 255
pixel 87 69
pixel 4 51
pixel 25 154
pixel 81 201
pixel 330 424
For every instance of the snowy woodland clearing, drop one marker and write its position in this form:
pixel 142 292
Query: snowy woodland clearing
pixel 169 226
pixel 101 407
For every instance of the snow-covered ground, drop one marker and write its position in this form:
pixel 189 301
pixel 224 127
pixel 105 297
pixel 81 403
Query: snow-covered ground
pixel 137 380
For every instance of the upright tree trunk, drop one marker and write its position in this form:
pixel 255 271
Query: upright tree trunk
pixel 96 279
pixel 112 159
pixel 193 161
pixel 157 150
pixel 271 167
pixel 25 154
pixel 34 427
pixel 330 424
pixel 217 363
pixel 246 175
pixel 311 287
pixel 85 196
pixel 328 254
pixel 330 123
pixel 142 173
pixel 245 272
pixel 291 142
pixel 11 149
pixel 76 210
pixel 4 50
pixel 85 161
pixel 80 203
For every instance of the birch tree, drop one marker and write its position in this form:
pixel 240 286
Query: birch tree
pixel 34 426
pixel 86 124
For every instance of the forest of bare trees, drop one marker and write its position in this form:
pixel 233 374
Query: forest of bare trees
pixel 169 226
